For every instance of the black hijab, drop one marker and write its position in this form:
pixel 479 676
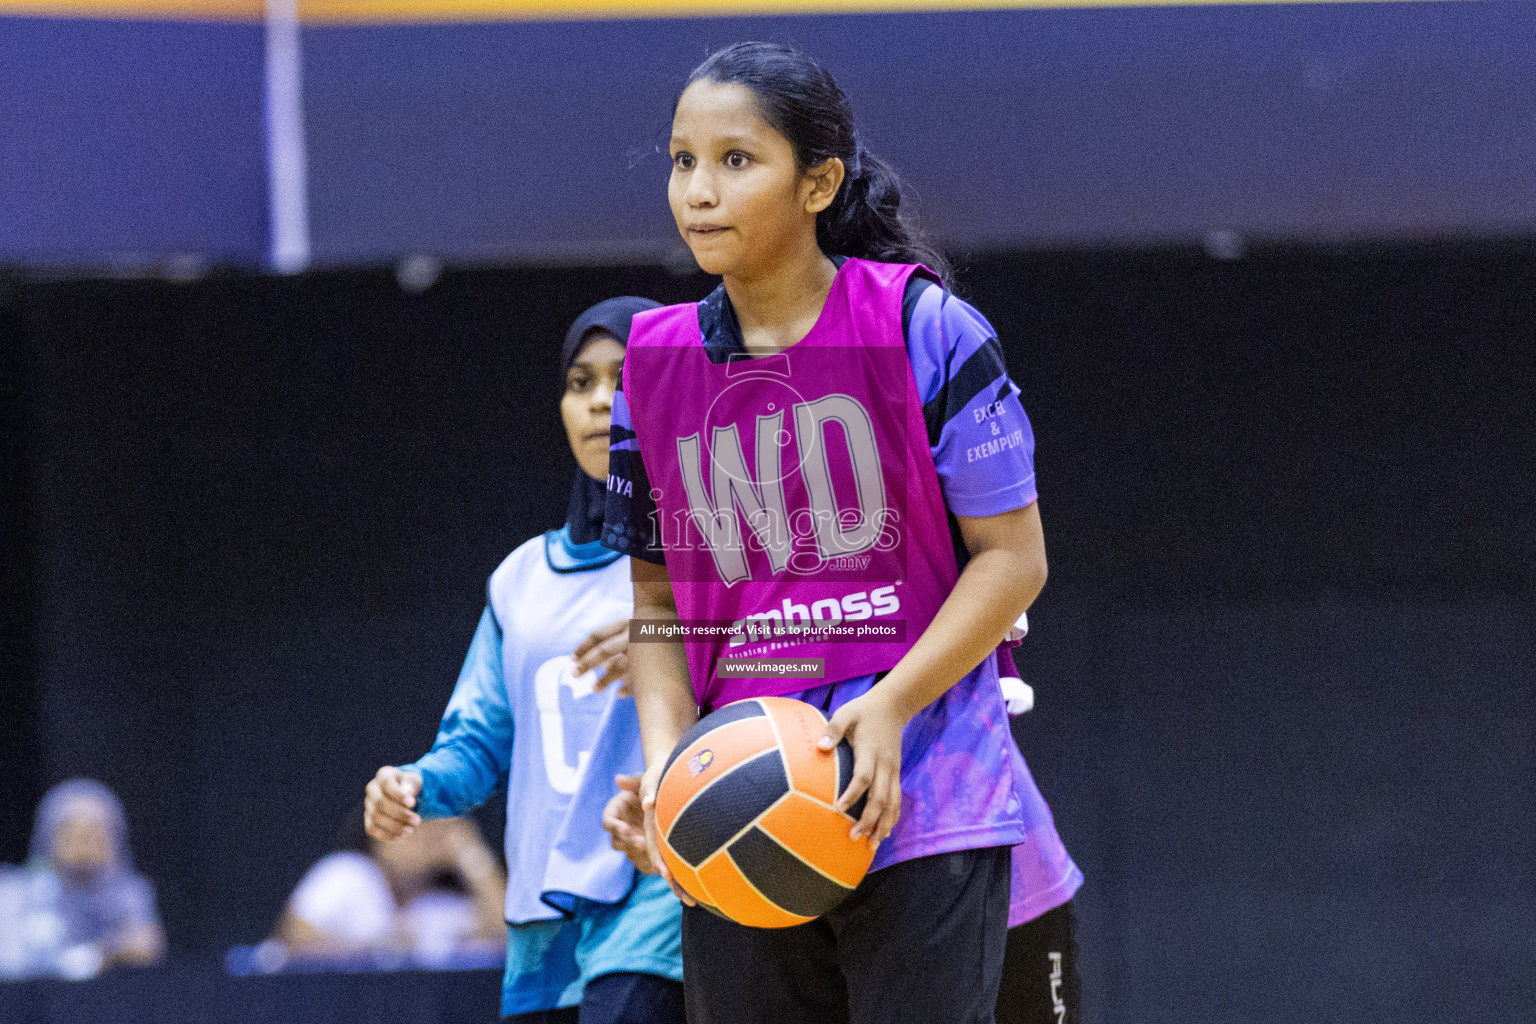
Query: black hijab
pixel 584 515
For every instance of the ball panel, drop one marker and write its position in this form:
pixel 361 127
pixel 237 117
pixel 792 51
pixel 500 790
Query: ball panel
pixel 819 835
pixel 683 874
pixel 737 899
pixel 800 725
pixel 785 880
pixel 727 805
pixel 730 713
pixel 713 753
pixel 845 776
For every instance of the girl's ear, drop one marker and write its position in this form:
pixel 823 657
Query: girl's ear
pixel 822 183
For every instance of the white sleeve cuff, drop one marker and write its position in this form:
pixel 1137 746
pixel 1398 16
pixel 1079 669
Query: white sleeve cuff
pixel 1017 694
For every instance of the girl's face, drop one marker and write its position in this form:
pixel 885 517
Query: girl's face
pixel 82 845
pixel 588 401
pixel 740 200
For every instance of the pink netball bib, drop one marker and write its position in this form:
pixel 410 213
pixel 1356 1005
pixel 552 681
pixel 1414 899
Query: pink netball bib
pixel 796 494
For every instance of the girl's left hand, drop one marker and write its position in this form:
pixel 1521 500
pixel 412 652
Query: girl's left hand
pixel 608 649
pixel 649 782
pixel 872 726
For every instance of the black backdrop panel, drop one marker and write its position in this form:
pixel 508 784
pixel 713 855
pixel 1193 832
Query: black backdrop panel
pixel 18 706
pixel 271 507
pixel 1282 663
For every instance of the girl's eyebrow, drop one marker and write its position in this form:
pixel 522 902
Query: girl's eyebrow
pixel 736 141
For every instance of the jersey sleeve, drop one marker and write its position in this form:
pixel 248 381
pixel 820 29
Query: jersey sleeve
pixel 472 752
pixel 982 443
pixel 629 512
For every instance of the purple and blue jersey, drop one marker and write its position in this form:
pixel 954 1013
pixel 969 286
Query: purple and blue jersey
pixel 980 438
pixel 964 784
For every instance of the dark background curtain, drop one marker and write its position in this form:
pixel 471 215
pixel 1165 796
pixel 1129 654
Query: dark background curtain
pixel 1283 663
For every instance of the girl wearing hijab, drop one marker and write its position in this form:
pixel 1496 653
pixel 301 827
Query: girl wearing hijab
pixel 589 938
pixel 85 907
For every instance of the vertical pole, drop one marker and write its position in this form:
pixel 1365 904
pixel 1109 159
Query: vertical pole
pixel 287 157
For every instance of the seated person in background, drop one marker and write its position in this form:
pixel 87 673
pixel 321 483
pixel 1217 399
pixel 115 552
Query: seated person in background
pixel 433 900
pixel 79 907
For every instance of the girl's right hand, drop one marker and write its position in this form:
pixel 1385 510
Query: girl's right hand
pixel 607 648
pixel 389 802
pixel 625 823
pixel 649 783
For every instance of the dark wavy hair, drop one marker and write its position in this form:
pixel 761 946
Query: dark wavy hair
pixel 798 97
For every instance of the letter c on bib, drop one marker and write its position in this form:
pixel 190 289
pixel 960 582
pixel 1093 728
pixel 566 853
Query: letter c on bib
pixel 554 674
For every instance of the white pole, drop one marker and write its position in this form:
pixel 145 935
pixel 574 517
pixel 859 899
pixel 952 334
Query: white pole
pixel 287 158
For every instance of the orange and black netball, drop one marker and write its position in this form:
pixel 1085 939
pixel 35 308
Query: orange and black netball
pixel 746 820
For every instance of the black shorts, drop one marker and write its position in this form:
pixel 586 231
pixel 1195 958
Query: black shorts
pixel 622 998
pixel 919 942
pixel 1040 980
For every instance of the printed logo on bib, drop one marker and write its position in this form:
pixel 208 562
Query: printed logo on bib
pixel 770 623
pixel 813 496
pixel 569 713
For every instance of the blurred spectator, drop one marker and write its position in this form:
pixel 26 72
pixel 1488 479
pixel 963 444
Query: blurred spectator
pixel 433 899
pixel 78 907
